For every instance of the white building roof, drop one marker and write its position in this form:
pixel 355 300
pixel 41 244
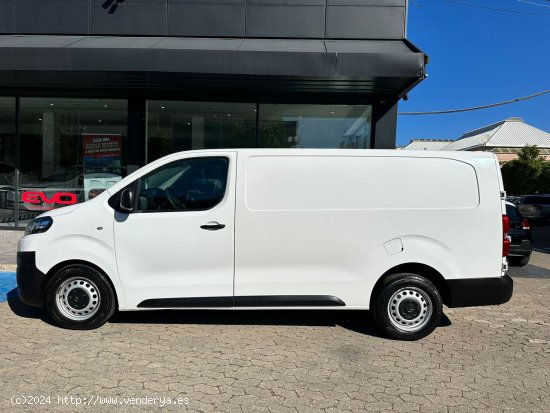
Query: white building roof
pixel 510 133
pixel 426 145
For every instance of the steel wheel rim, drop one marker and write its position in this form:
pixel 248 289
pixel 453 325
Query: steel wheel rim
pixel 78 299
pixel 409 309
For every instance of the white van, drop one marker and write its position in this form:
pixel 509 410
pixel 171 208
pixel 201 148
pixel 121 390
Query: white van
pixel 396 232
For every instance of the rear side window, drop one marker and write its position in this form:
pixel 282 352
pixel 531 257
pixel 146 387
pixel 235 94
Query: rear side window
pixel 193 184
pixel 279 183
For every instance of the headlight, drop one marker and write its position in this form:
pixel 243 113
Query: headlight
pixel 39 225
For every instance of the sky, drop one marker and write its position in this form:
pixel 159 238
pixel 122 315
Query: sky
pixel 477 57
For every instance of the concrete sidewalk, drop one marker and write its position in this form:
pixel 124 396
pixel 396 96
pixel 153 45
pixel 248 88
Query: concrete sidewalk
pixel 8 249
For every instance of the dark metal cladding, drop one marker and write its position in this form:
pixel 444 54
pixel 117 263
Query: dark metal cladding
pixel 263 67
pixel 270 51
pixel 336 19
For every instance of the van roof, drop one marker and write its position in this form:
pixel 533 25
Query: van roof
pixel 349 152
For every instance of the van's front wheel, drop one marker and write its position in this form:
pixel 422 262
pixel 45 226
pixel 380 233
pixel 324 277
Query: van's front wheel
pixel 408 307
pixel 79 297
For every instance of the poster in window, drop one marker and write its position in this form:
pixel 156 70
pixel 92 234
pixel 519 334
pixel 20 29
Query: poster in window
pixel 102 162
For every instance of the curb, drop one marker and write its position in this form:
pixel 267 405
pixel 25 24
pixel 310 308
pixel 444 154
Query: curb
pixel 8 267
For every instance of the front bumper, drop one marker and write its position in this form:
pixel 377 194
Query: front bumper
pixel 471 292
pixel 29 279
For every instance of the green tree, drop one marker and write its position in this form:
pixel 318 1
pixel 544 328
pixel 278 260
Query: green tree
pixel 528 174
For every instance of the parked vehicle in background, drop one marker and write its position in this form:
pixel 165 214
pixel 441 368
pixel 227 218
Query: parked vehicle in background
pixel 287 229
pixel 536 208
pixel 521 242
pixel 516 200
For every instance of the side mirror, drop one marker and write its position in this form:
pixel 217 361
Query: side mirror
pixel 127 200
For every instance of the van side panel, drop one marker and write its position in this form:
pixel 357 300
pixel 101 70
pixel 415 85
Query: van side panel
pixel 322 183
pixel 316 225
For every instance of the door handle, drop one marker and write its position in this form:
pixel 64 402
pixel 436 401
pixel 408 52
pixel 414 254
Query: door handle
pixel 213 226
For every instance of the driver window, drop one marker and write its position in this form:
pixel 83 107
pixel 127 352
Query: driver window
pixel 194 184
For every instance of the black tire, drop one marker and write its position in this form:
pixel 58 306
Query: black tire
pixel 79 297
pixel 519 261
pixel 418 307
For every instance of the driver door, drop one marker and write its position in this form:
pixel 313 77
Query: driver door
pixel 176 249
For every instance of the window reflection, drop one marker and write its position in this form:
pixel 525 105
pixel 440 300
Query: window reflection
pixel 71 150
pixel 179 126
pixel 174 126
pixel 315 126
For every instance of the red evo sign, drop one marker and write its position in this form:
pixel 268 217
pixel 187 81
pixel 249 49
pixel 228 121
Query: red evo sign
pixel 61 198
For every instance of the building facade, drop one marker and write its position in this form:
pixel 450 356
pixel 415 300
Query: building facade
pixel 91 90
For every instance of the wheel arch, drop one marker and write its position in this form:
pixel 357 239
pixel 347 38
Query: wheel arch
pixel 430 273
pixel 68 263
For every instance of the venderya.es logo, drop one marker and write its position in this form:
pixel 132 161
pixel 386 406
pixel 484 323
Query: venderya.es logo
pixel 111 5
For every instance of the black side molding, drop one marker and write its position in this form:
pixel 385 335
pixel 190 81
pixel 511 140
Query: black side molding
pixel 471 292
pixel 188 302
pixel 288 301
pixel 245 301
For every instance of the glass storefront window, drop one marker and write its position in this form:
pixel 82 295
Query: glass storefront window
pixel 61 151
pixel 8 149
pixel 174 126
pixel 70 151
pixel 315 126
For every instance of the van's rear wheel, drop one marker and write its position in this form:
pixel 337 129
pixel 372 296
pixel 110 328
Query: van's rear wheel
pixel 79 297
pixel 408 307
